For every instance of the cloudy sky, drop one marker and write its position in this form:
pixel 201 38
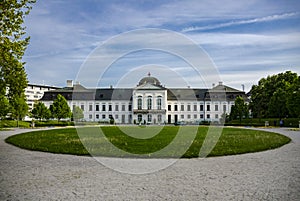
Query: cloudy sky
pixel 245 40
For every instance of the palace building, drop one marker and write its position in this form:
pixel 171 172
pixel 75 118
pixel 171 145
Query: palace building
pixel 149 102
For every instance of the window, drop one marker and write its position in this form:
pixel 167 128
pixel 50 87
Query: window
pixel 176 107
pixel 201 107
pixel 188 116
pixel 90 116
pixel 116 116
pixel 195 107
pixel 169 107
pixel 149 103
pixel 216 116
pixel 140 118
pixel 208 107
pixel 149 118
pixel 140 104
pixel 97 116
pixel 159 103
pixel 201 116
pixel 97 107
pixel 195 116
pixel 103 107
pixel 216 107
pixel 103 116
pixel 208 116
pixel 116 107
pixel 129 107
pixel 82 107
pixel 182 108
pixel 224 108
pixel 109 107
pixel 182 116
pixel 159 118
pixel 123 107
pixel 90 107
pixel 188 107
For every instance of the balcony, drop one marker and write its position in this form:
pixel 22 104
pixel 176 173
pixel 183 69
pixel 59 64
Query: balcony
pixel 146 111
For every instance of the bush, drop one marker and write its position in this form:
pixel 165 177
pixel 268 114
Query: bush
pixel 53 123
pixel 289 122
pixel 13 123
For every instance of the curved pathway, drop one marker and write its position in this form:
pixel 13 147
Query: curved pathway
pixel 268 175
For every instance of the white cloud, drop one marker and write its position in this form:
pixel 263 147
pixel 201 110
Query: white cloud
pixel 240 22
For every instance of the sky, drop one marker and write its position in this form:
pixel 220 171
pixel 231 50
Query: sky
pixel 245 40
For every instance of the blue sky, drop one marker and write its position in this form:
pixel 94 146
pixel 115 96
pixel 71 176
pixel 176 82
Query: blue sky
pixel 246 40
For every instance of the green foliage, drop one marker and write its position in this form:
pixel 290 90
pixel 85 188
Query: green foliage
pixel 239 109
pixel 67 141
pixel 40 111
pixel 60 108
pixel 12 47
pixel 77 113
pixel 276 96
pixel 19 107
pixel 13 123
pixel 4 106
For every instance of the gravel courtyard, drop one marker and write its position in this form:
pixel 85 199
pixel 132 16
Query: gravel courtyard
pixel 268 175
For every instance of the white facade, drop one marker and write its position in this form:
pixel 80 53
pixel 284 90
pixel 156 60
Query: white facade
pixel 148 103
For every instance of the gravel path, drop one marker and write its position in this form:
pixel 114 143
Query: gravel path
pixel 268 175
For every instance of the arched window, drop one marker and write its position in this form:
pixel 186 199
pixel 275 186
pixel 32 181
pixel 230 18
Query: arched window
pixel 140 102
pixel 149 118
pixel 149 103
pixel 158 103
pixel 140 118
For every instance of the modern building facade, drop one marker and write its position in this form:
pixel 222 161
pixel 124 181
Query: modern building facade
pixel 35 92
pixel 149 102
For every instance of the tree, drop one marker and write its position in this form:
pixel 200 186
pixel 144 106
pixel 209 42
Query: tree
pixel 278 104
pixel 4 106
pixel 77 113
pixel 293 100
pixel 60 108
pixel 239 109
pixel 12 47
pixel 40 111
pixel 270 97
pixel 19 108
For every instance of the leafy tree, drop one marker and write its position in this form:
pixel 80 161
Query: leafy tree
pixel 277 105
pixel 60 108
pixel 4 106
pixel 293 100
pixel 77 113
pixel 270 97
pixel 12 47
pixel 239 109
pixel 40 111
pixel 19 107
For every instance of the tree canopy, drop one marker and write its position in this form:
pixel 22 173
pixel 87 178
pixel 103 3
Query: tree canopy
pixel 77 113
pixel 40 111
pixel 60 108
pixel 12 47
pixel 276 96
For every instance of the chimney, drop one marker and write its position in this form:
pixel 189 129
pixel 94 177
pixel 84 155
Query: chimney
pixel 221 83
pixel 213 85
pixel 69 83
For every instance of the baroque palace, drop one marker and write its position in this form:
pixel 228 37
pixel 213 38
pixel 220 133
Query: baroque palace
pixel 149 102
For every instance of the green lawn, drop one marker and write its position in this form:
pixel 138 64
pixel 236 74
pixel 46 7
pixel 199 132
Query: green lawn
pixel 141 142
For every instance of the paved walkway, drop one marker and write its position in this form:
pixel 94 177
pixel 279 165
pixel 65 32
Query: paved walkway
pixel 269 175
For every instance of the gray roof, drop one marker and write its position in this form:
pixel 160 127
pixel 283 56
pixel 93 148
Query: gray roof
pixel 78 92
